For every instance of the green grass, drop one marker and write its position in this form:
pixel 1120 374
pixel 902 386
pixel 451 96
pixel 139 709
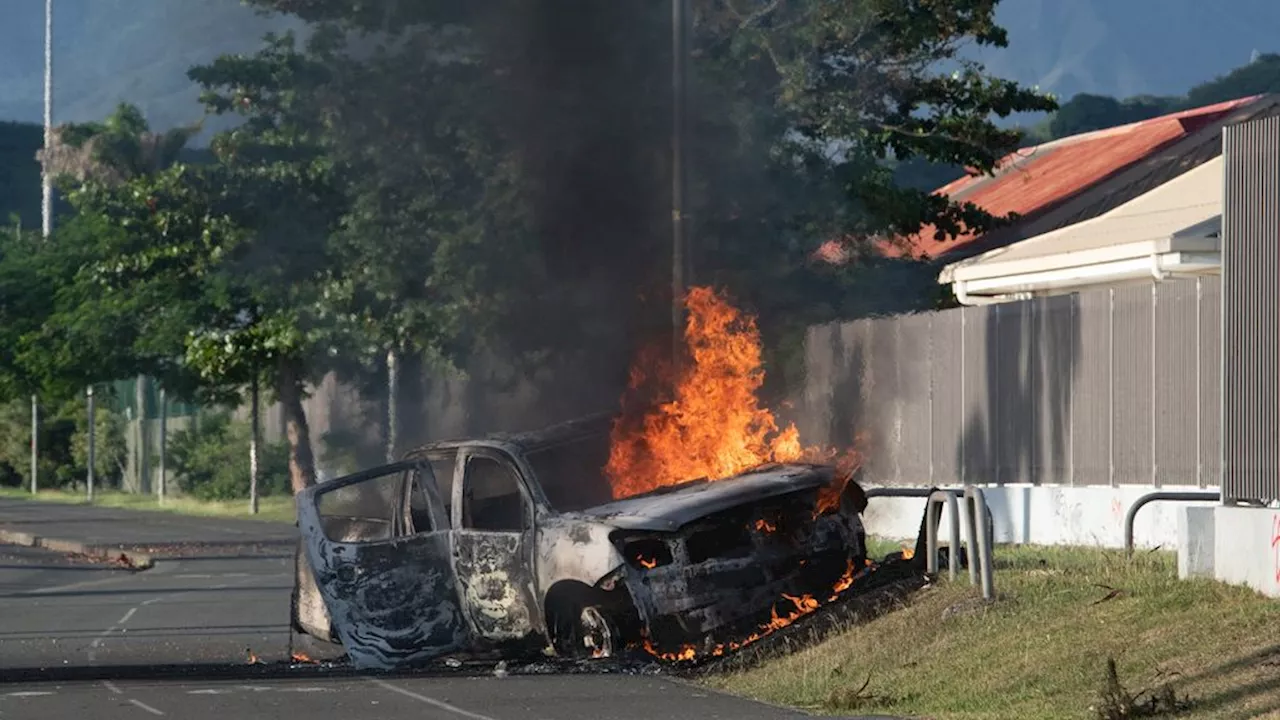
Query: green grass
pixel 273 508
pixel 1041 650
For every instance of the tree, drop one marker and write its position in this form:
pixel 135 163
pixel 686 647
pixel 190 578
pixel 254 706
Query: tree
pixel 539 131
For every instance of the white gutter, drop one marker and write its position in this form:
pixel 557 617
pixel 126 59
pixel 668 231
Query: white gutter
pixel 984 291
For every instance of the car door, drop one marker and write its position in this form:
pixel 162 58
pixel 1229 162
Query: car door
pixel 386 578
pixel 493 545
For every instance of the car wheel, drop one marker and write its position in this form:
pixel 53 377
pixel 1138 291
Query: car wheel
pixel 586 632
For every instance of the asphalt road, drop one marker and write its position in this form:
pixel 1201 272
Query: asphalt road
pixel 579 697
pixel 162 534
pixel 219 590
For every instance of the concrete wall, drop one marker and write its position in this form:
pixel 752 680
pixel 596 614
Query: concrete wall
pixel 1048 515
pixel 1246 547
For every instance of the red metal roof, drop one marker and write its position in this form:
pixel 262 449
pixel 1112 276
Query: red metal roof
pixel 1034 179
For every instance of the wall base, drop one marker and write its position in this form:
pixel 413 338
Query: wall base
pixel 1244 543
pixel 1049 515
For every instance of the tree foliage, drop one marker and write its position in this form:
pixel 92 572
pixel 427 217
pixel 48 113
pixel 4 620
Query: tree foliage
pixel 433 178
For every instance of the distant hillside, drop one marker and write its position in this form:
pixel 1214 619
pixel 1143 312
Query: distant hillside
pixel 108 51
pixel 20 173
pixel 1124 48
pixel 139 50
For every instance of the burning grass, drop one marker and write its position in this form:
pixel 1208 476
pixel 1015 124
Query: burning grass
pixel 1042 650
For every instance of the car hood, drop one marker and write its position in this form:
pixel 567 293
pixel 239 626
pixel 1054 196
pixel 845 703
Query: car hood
pixel 669 510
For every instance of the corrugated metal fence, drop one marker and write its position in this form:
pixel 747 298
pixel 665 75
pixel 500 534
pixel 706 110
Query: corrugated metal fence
pixel 1251 340
pixel 1107 387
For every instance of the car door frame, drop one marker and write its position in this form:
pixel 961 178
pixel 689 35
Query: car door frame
pixel 397 572
pixel 525 581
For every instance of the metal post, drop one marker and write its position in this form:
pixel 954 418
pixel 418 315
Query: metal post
pixel 35 444
pixel 92 442
pixel 393 418
pixel 931 532
pixel 144 465
pixel 980 561
pixel 164 442
pixel 679 54
pixel 253 445
pixel 971 532
pixel 46 180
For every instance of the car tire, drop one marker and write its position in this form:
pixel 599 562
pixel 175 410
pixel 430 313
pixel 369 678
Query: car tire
pixel 585 631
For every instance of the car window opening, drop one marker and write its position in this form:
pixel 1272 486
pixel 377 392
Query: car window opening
pixel 492 501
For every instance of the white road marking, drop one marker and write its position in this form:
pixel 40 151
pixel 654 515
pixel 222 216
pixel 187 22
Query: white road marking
pixel 102 636
pixel 430 701
pixel 210 691
pixel 112 687
pixel 305 689
pixel 145 706
pixel 29 693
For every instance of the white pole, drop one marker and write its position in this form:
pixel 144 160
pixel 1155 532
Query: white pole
pixel 393 408
pixel 93 420
pixel 46 180
pixel 35 444
pixel 253 445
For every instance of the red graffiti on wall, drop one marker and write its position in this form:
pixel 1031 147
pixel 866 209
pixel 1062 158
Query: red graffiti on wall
pixel 1275 545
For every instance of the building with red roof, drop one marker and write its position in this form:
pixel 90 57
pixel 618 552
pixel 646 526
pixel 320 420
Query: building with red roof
pixel 1078 178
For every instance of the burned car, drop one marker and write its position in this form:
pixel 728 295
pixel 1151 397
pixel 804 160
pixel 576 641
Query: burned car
pixel 517 542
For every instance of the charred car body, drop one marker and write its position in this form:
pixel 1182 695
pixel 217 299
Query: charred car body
pixel 517 541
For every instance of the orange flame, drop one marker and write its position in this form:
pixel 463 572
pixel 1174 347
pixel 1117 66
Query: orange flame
pixel 804 605
pixel 302 658
pixel 714 427
pixel 908 552
pixel 647 563
pixel 765 526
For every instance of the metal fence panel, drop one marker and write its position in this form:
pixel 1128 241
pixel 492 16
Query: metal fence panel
pixel 914 398
pixel 1176 397
pixel 976 434
pixel 1054 374
pixel 1209 380
pixel 1106 387
pixel 1015 349
pixel 1132 362
pixel 1090 429
pixel 821 353
pixel 1250 300
pixel 860 418
pixel 947 383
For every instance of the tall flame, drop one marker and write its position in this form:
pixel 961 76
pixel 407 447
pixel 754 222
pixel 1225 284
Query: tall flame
pixel 714 426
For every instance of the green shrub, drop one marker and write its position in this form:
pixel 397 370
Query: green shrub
pixel 63 445
pixel 211 461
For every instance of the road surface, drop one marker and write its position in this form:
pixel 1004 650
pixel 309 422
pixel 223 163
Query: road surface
pixel 81 639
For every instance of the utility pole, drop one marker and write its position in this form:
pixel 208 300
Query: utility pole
pixel 46 212
pixel 679 78
pixel 46 180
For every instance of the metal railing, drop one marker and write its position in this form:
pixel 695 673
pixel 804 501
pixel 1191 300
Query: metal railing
pixel 1160 496
pixel 976 523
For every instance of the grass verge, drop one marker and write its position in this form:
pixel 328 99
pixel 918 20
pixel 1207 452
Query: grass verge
pixel 273 508
pixel 1199 647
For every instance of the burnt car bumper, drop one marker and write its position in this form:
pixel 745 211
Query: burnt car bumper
pixel 730 571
